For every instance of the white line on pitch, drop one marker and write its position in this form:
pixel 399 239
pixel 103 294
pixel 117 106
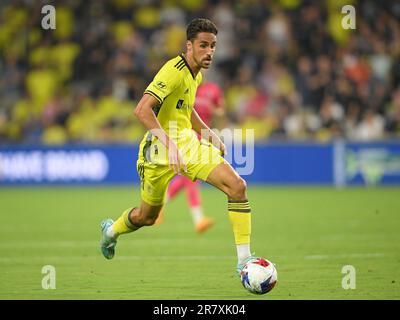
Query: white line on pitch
pixel 343 256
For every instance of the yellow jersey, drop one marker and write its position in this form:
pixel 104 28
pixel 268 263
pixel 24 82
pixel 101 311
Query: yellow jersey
pixel 174 87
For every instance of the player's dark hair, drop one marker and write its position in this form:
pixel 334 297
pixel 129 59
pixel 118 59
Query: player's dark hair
pixel 199 25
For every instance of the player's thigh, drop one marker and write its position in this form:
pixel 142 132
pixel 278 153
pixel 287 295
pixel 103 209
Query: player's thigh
pixel 225 178
pixel 204 159
pixel 154 180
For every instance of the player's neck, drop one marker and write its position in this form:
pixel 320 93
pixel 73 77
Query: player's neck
pixel 194 68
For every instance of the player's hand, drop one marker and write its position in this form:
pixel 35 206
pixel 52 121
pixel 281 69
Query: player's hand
pixel 175 159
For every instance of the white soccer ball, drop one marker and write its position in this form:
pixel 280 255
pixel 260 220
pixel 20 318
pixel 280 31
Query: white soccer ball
pixel 259 276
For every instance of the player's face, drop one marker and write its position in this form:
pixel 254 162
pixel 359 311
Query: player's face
pixel 203 48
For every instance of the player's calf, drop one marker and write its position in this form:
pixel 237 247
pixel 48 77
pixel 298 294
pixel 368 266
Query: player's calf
pixel 145 215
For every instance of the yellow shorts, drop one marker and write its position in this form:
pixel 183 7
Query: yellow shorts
pixel 200 156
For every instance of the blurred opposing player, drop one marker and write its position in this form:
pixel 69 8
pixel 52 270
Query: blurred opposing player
pixel 171 147
pixel 209 106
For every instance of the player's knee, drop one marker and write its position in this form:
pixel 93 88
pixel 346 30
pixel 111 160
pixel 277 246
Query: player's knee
pixel 238 189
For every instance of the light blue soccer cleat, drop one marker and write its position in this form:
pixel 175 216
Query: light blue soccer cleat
pixel 107 244
pixel 240 266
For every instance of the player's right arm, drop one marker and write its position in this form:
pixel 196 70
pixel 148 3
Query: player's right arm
pixel 144 112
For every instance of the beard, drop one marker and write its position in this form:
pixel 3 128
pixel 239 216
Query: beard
pixel 205 63
pixel 202 62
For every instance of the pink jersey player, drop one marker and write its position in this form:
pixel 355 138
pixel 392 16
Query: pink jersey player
pixel 209 99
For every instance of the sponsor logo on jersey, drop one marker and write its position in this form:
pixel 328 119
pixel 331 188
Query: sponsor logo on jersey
pixel 161 85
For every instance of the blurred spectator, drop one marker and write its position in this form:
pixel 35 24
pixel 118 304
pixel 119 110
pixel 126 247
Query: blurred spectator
pixel 393 115
pixel 287 67
pixel 371 127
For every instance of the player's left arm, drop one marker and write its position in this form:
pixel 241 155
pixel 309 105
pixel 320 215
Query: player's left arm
pixel 206 133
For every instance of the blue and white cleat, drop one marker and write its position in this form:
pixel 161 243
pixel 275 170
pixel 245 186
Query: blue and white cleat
pixel 240 266
pixel 107 244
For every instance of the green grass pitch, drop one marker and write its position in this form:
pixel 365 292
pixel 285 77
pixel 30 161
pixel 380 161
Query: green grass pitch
pixel 309 233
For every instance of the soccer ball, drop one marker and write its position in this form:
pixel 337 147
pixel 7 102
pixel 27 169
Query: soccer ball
pixel 259 276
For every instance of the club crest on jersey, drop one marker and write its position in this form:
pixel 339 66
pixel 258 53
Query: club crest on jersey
pixel 161 85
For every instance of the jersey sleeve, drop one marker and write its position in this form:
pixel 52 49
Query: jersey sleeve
pixel 165 81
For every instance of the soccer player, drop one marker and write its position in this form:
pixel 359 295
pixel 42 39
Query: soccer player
pixel 208 105
pixel 171 147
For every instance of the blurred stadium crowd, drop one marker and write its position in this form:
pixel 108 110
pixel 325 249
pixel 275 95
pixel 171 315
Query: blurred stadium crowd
pixel 287 67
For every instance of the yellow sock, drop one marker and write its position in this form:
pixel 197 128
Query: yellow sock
pixel 240 217
pixel 123 224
